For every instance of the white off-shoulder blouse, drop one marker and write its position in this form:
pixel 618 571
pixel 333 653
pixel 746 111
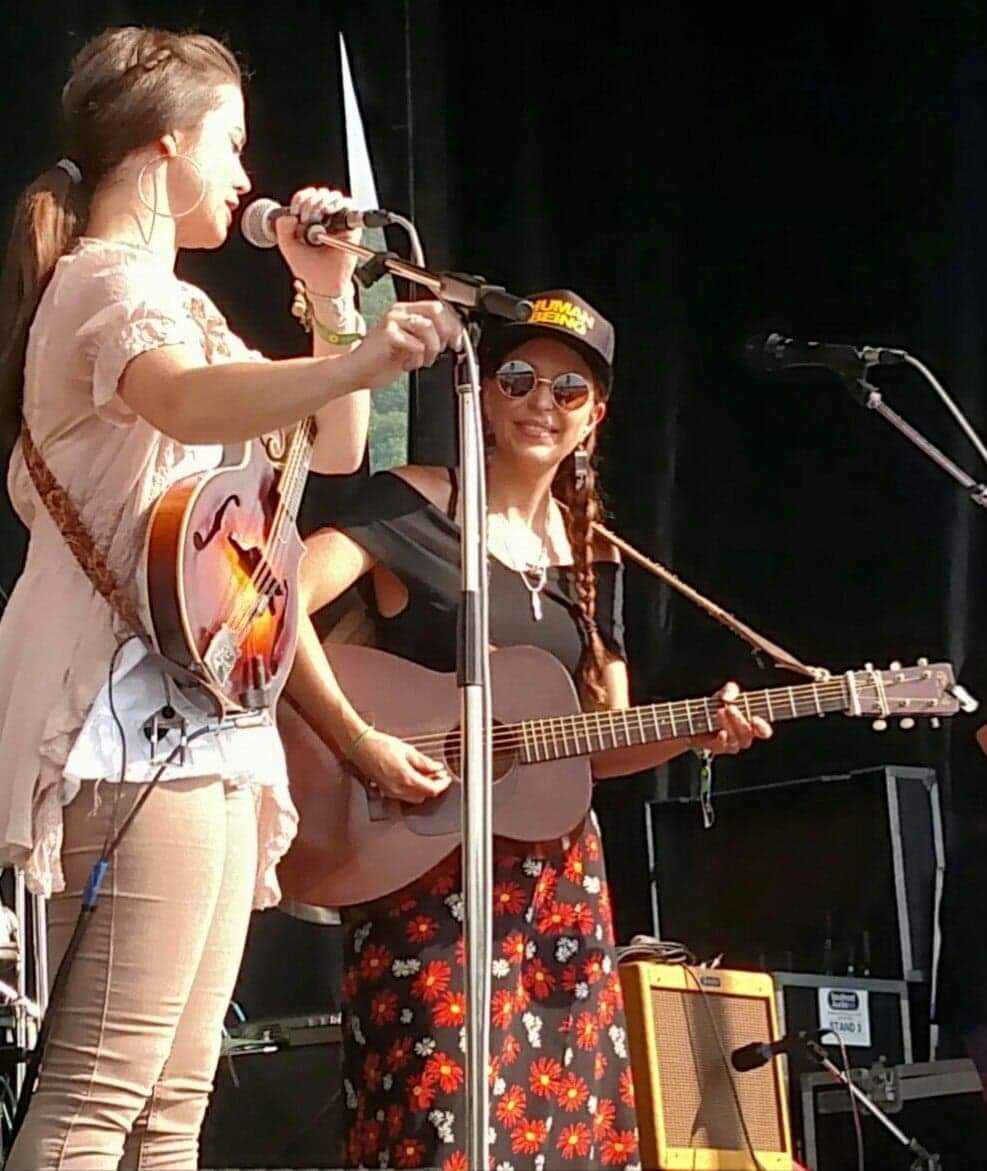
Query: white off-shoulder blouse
pixel 106 303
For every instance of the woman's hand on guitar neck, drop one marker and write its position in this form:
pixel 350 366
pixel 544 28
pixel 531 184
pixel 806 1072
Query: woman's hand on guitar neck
pixel 737 732
pixel 398 769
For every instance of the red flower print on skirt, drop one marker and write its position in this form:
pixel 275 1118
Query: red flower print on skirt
pixel 574 1141
pixel 572 1093
pixel 559 1087
pixel 544 1077
pixel 528 1138
pixel 445 1072
pixel 432 981
pixel 511 1106
pixel 508 898
pixel 618 1147
pixel 421 929
pixel 449 1012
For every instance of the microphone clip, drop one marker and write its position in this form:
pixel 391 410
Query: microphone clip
pixel 371 271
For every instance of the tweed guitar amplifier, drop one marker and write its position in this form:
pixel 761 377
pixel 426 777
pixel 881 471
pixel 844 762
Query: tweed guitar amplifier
pixel 693 1109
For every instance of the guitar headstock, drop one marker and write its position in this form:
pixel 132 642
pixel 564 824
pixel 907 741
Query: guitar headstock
pixel 925 690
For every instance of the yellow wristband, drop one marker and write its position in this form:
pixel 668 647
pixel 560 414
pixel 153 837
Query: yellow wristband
pixel 333 338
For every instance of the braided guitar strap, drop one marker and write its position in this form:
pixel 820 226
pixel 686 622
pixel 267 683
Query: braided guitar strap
pixel 93 562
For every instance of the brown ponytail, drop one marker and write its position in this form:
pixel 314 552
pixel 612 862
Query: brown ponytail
pixel 46 222
pixel 583 507
pixel 128 87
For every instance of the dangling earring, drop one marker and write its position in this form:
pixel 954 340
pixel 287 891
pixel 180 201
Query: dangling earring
pixel 153 207
pixel 580 467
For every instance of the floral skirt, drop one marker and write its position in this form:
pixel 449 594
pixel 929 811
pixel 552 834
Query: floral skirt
pixel 561 1088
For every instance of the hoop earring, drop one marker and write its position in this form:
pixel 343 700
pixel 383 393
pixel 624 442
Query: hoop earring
pixel 580 468
pixel 153 208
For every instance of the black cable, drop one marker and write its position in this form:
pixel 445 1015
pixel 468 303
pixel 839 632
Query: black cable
pixel 113 709
pixel 726 1065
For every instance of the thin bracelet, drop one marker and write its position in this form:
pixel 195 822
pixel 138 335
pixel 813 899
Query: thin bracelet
pixel 348 754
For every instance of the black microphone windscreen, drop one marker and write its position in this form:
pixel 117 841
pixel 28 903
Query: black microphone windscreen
pixel 751 1056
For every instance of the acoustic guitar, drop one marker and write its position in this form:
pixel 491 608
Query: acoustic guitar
pixel 221 571
pixel 354 844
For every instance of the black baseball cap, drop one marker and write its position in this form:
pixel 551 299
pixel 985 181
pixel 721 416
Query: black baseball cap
pixel 553 313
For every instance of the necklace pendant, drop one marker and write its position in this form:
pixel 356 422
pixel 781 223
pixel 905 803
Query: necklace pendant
pixel 536 605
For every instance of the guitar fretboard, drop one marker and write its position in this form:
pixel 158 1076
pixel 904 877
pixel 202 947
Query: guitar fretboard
pixel 292 483
pixel 586 733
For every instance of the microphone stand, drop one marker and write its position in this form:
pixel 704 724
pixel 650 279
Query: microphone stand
pixel 924 1160
pixel 455 288
pixel 468 293
pixel 473 680
pixel 869 396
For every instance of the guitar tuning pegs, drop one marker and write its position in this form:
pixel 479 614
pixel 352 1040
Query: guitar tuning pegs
pixel 923 662
pixel 880 725
pixel 906 724
pixel 895 666
pixel 935 722
pixel 868 666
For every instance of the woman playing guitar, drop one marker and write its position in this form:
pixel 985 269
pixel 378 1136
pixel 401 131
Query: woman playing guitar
pixel 562 1094
pixel 119 380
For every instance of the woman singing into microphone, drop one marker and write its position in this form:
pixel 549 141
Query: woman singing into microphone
pixel 118 379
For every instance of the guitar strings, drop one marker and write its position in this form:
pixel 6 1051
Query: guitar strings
pixel 264 581
pixel 618 722
pixel 296 453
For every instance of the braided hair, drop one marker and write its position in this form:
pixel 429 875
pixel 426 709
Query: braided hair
pixel 584 506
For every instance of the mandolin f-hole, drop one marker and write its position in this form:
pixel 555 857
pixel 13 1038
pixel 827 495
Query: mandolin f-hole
pixel 200 541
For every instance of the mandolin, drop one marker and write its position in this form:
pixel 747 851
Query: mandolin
pixel 221 570
pixel 354 844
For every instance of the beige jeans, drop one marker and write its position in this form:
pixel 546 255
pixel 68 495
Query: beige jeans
pixel 135 1041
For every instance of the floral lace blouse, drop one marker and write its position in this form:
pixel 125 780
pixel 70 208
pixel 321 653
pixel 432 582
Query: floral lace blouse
pixel 106 304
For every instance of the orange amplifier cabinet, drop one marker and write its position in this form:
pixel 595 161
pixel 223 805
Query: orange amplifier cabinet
pixel 692 1106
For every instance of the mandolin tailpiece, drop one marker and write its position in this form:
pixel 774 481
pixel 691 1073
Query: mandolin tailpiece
pixel 221 655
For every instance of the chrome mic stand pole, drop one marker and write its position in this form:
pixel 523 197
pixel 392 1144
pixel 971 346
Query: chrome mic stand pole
pixel 871 397
pixel 473 678
pixel 924 1160
pixel 473 665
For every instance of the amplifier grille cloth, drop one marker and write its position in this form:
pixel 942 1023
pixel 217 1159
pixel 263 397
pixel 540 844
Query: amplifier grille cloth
pixel 698 1105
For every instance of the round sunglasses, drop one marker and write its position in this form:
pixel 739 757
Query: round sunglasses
pixel 516 379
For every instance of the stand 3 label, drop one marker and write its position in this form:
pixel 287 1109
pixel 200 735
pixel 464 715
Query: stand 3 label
pixel 846 1011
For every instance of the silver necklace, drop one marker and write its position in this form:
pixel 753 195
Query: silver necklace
pixel 532 571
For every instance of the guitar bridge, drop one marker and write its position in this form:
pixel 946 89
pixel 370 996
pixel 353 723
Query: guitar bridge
pixel 221 655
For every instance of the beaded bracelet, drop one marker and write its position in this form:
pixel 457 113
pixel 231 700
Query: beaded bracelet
pixel 302 307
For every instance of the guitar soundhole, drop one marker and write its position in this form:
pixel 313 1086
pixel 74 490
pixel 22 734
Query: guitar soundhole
pixel 504 759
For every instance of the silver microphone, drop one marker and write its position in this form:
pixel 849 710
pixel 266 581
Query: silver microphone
pixel 258 220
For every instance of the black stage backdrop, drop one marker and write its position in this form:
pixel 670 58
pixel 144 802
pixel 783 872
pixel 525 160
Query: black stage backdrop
pixel 698 177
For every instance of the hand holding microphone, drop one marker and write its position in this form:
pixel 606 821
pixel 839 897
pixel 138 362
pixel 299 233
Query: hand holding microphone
pixel 294 228
pixel 407 337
